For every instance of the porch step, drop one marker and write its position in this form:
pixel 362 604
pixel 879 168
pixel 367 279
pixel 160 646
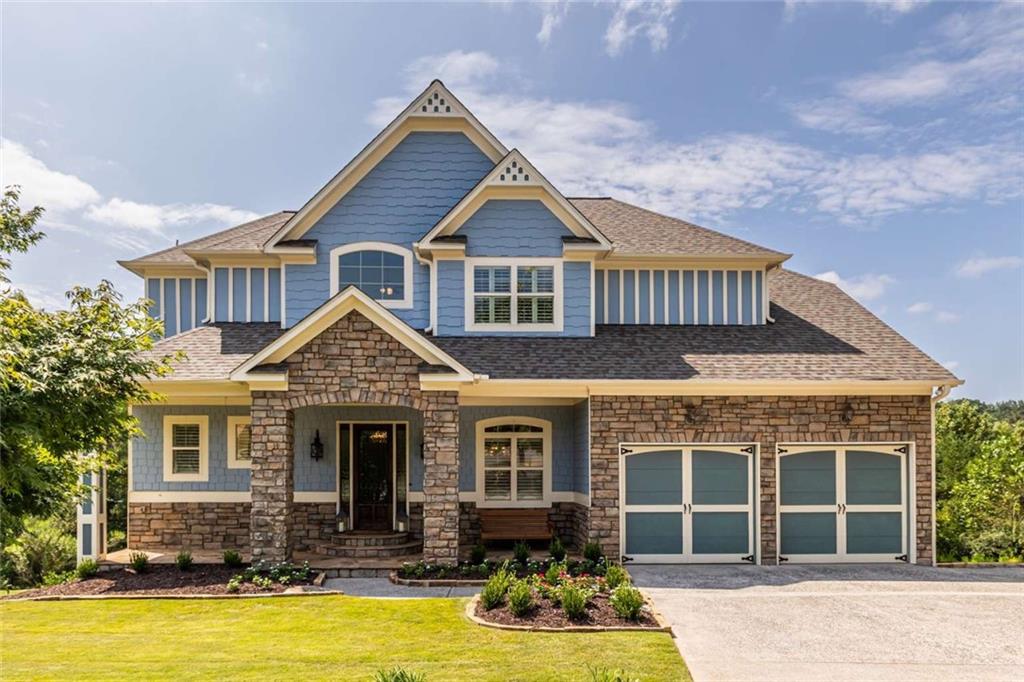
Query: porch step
pixel 371 552
pixel 357 539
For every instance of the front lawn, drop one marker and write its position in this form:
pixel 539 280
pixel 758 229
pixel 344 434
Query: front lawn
pixel 337 637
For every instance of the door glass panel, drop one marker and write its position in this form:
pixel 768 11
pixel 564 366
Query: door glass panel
pixel 808 478
pixel 343 466
pixel 874 533
pixel 400 475
pixel 872 478
pixel 655 478
pixel 720 478
pixel 720 533
pixel 654 532
pixel 810 533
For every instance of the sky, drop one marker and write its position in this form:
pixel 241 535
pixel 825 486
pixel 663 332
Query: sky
pixel 880 143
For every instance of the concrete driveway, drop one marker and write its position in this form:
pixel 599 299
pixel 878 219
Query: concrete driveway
pixel 843 622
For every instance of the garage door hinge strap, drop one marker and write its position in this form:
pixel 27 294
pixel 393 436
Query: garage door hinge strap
pixel 783 559
pixel 903 558
pixel 625 451
pixel 625 558
pixel 783 451
pixel 749 557
pixel 749 449
pixel 902 449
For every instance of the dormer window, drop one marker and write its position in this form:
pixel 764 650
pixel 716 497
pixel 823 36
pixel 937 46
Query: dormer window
pixel 505 294
pixel 380 270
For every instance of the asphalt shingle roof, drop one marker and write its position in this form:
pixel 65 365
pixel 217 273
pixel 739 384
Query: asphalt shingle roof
pixel 213 351
pixel 245 237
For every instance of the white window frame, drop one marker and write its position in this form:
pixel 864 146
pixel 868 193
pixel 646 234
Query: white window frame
pixel 514 264
pixel 545 436
pixel 233 423
pixel 204 446
pixel 404 303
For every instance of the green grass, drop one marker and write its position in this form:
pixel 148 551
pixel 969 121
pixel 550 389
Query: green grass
pixel 338 637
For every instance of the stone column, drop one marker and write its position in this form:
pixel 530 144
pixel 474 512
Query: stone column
pixel 440 476
pixel 272 477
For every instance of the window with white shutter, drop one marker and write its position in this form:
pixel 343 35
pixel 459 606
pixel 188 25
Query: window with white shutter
pixel 185 448
pixel 239 442
pixel 505 295
pixel 514 460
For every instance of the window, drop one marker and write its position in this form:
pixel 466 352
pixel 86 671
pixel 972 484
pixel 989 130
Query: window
pixel 239 442
pixel 185 448
pixel 506 296
pixel 380 270
pixel 514 461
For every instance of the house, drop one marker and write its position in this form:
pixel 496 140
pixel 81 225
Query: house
pixel 438 331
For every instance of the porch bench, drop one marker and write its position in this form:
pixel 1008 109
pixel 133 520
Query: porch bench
pixel 515 524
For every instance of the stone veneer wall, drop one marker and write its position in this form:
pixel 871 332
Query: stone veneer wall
pixel 571 522
pixel 313 523
pixel 188 525
pixel 765 420
pixel 352 362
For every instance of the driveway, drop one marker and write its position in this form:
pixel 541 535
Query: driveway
pixel 843 622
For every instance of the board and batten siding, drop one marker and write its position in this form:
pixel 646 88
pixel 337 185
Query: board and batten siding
pixel 179 302
pixel 246 294
pixel 397 202
pixel 673 296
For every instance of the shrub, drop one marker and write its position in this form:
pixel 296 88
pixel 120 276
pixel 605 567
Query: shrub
pixel 478 554
pixel 184 560
pixel 232 558
pixel 58 578
pixel 592 552
pixel 235 584
pixel 263 582
pixel 609 675
pixel 552 575
pixel 493 594
pixel 87 569
pixel 116 540
pixel 557 549
pixel 574 601
pixel 398 674
pixel 42 547
pixel 520 598
pixel 627 601
pixel 139 561
pixel 616 575
pixel 521 552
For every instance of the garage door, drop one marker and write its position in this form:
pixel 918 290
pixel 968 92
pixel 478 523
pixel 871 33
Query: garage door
pixel 687 504
pixel 843 503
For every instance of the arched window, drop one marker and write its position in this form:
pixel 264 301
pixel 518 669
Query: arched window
pixel 513 459
pixel 380 270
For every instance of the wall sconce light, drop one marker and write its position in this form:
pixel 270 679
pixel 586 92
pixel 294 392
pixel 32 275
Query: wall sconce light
pixel 316 448
pixel 422 450
pixel 847 414
pixel 696 415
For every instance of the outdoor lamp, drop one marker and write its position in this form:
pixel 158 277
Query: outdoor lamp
pixel 316 448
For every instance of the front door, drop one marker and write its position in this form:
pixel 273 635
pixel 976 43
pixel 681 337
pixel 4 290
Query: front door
pixel 374 449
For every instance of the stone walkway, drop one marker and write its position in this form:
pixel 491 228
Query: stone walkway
pixel 382 587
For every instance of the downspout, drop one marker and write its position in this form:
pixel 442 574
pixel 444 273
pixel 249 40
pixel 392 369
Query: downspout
pixel 210 293
pixel 432 283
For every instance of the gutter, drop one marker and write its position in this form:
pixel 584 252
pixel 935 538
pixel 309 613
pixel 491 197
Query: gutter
pixel 943 391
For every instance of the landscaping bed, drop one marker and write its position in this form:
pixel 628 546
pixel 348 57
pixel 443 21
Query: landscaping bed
pixel 599 615
pixel 171 580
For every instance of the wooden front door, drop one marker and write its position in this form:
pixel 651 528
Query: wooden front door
pixel 374 449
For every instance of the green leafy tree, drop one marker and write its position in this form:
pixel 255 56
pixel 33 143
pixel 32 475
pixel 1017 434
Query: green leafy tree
pixel 961 426
pixel 66 378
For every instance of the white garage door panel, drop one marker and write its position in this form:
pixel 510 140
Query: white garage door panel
pixel 843 503
pixel 687 503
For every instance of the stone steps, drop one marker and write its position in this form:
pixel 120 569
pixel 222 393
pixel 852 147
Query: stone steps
pixel 369 546
pixel 370 539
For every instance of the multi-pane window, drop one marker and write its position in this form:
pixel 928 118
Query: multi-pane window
pixel 185 453
pixel 239 442
pixel 379 274
pixel 513 462
pixel 530 301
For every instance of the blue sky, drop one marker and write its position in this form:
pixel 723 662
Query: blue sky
pixel 880 143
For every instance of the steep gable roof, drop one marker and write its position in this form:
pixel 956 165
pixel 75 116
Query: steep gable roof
pixel 511 178
pixel 435 109
pixel 638 231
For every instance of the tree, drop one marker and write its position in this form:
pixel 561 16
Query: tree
pixel 66 378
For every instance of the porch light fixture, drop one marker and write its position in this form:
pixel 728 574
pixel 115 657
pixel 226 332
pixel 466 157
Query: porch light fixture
pixel 380 436
pixel 316 448
pixel 847 414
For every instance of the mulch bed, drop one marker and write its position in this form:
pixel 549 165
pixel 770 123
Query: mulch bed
pixel 546 615
pixel 161 579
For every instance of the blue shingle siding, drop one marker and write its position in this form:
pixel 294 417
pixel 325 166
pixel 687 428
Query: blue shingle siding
pixel 153 294
pixel 173 297
pixel 220 294
pixel 185 303
pixel 201 294
pixel 170 307
pixel 397 202
pixel 509 227
pixel 693 296
pixel 256 298
pixel 274 292
pixel 576 299
pixel 148 451
pixel 564 441
pixel 581 448
pixel 451 298
pixel 238 294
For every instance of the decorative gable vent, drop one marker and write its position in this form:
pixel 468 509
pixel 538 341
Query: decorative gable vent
pixel 437 102
pixel 515 170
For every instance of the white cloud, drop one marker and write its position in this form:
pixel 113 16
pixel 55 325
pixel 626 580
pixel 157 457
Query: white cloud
pixel 887 10
pixel 837 116
pixel 982 265
pixel 155 218
pixel 253 83
pixel 951 365
pixel 40 185
pixel 867 287
pixel 457 69
pixel 39 296
pixel 919 307
pixel 635 18
pixel 552 15
pixel 946 317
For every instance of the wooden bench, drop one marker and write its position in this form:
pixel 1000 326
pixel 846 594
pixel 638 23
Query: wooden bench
pixel 515 524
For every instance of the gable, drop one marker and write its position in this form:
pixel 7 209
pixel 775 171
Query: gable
pixel 509 227
pixel 436 109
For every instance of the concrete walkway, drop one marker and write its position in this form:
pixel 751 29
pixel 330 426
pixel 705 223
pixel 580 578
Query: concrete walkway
pixel 382 587
pixel 842 622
